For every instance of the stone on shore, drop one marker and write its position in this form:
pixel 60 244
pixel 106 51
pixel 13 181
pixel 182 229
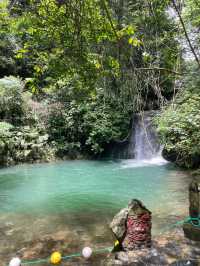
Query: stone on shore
pixel 172 248
pixel 132 226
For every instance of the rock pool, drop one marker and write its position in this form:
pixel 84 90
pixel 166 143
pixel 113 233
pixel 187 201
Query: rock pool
pixel 77 199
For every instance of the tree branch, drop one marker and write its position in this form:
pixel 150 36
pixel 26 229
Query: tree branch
pixel 12 3
pixel 104 3
pixel 185 32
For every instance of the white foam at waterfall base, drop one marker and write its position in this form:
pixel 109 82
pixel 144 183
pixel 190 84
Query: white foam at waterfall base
pixel 133 163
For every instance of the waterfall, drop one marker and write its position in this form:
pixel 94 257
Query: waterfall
pixel 144 137
pixel 142 145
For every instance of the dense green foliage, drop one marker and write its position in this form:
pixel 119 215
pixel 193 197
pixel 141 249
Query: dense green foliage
pixel 179 123
pixel 7 45
pixel 11 102
pixel 99 45
pixel 89 126
pixel 86 126
pixel 179 127
pixel 192 15
pixel 84 67
pixel 56 126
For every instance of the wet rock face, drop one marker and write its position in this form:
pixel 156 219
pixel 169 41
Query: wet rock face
pixel 170 156
pixel 192 229
pixel 118 224
pixel 132 226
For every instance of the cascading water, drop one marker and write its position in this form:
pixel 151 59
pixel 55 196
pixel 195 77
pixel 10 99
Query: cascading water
pixel 142 145
pixel 145 137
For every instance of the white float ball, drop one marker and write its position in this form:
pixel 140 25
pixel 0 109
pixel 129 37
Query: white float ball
pixel 87 252
pixel 15 262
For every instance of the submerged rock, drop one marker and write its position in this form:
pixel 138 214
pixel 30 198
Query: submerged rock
pixel 45 245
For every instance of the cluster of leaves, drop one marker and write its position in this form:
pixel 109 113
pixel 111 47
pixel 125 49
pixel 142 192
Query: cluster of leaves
pixel 192 15
pixel 72 126
pixel 87 126
pixel 7 43
pixel 11 100
pixel 22 135
pixel 63 38
pixel 104 123
pixel 100 43
pixel 5 129
pixel 151 45
pixel 24 144
pixel 10 43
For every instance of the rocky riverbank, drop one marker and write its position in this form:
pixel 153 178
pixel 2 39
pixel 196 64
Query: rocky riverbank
pixel 166 249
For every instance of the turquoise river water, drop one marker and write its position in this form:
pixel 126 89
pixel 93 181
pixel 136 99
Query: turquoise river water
pixel 81 197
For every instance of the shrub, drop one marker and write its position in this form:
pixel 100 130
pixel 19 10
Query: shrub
pixel 5 128
pixel 87 126
pixel 11 100
pixel 179 128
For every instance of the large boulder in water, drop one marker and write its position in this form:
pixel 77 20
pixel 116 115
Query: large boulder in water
pixel 189 161
pixel 132 226
pixel 170 156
